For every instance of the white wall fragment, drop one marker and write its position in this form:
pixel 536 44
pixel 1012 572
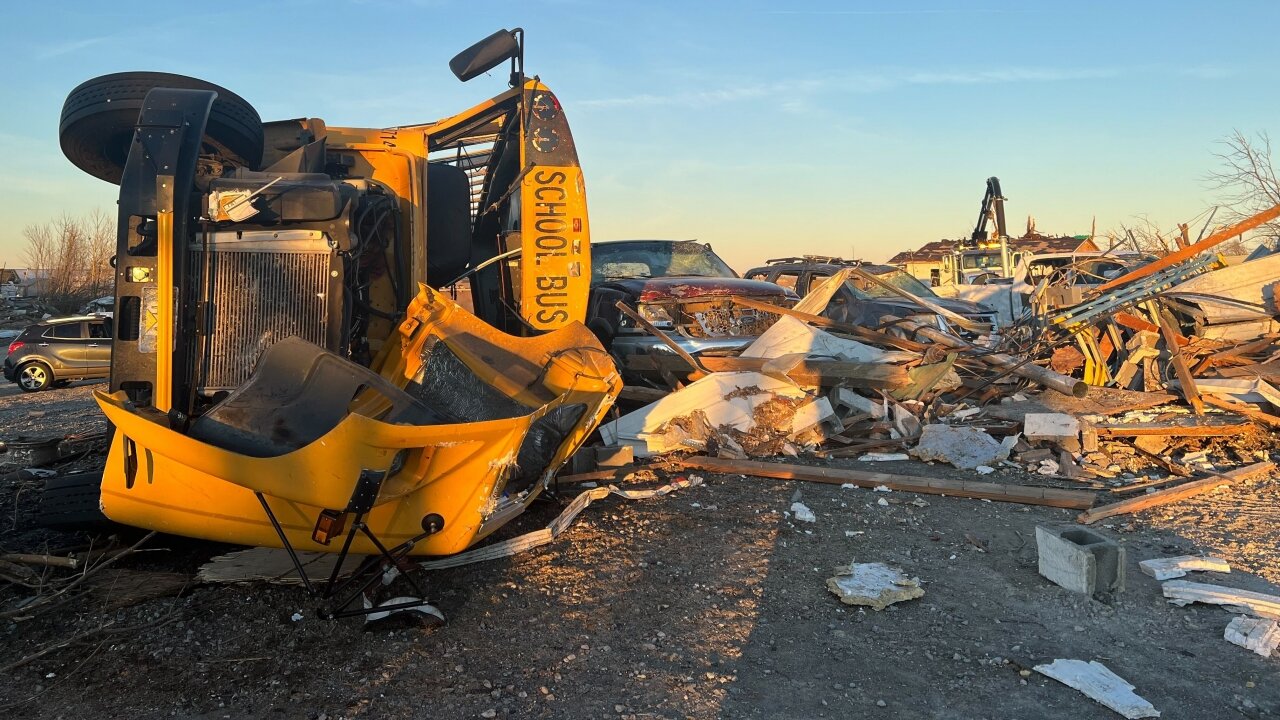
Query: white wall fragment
pixel 1176 567
pixel 1260 635
pixel 1098 683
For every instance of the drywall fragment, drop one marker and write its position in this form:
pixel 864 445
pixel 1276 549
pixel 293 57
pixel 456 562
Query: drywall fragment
pixel 1257 634
pixel 963 447
pixel 874 584
pixel 1185 592
pixel 812 415
pixel 883 457
pixel 801 512
pixel 1099 684
pixel 1176 567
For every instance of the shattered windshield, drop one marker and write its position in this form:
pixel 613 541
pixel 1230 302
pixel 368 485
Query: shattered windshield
pixel 655 258
pixel 897 278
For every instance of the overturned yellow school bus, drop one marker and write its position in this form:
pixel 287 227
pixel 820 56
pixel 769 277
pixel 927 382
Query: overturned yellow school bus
pixel 284 371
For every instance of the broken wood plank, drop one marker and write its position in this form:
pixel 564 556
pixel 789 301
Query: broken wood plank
pixel 1185 592
pixel 1173 494
pixel 666 340
pixel 806 372
pixel 1254 414
pixel 1075 499
pixel 1169 430
pixel 1186 383
pixel 1133 322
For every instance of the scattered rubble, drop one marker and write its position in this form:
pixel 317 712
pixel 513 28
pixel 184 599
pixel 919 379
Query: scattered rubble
pixel 1257 634
pixel 1176 567
pixel 1098 683
pixel 875 585
pixel 963 447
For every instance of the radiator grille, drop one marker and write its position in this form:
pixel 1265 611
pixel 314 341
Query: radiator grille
pixel 257 299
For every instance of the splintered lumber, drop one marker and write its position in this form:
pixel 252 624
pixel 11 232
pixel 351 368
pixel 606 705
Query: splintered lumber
pixel 1186 383
pixel 1191 251
pixel 805 372
pixel 675 347
pixel 1254 414
pixel 1174 494
pixel 1039 375
pixel 1169 430
pixel 1052 497
pixel 1185 592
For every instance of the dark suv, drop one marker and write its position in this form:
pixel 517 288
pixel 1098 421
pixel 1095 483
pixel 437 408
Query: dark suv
pixel 59 350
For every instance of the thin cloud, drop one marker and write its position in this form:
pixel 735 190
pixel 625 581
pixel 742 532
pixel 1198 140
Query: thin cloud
pixel 790 93
pixel 918 11
pixel 52 51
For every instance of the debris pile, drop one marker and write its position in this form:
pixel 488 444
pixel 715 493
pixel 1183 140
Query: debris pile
pixel 1134 387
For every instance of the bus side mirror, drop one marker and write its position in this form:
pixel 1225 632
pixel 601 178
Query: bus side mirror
pixel 486 55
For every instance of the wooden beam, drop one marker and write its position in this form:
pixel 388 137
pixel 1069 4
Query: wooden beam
pixel 1052 497
pixel 811 372
pixel 1174 494
pixel 1166 430
pixel 1186 382
pixel 1133 322
pixel 1252 413
pixel 1192 250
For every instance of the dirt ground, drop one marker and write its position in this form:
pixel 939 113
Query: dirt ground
pixel 708 603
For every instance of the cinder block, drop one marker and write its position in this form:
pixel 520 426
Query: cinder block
pixel 1054 427
pixel 1080 559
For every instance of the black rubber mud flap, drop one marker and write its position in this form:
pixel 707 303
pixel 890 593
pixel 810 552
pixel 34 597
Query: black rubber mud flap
pixel 73 502
pixel 99 116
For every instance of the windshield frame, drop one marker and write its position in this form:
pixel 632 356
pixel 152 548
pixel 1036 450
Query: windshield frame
pixel 660 256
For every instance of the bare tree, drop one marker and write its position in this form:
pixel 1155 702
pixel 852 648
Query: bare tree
pixel 70 257
pixel 1246 177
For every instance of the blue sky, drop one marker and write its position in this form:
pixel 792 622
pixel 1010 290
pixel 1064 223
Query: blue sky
pixel 763 128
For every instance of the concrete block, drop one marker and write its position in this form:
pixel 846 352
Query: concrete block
pixel 1080 559
pixel 1054 427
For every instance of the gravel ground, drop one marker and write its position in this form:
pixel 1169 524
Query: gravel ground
pixel 709 603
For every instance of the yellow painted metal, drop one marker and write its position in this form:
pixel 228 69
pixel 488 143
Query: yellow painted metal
pixel 555 266
pixel 163 391
pixel 1095 367
pixel 460 471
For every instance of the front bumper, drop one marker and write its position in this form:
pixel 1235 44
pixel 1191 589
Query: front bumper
pixel 625 347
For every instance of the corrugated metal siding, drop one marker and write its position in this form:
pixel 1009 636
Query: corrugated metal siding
pixel 259 298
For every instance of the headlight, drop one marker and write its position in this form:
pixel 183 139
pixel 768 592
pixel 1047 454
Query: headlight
pixel 658 315
pixel 655 314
